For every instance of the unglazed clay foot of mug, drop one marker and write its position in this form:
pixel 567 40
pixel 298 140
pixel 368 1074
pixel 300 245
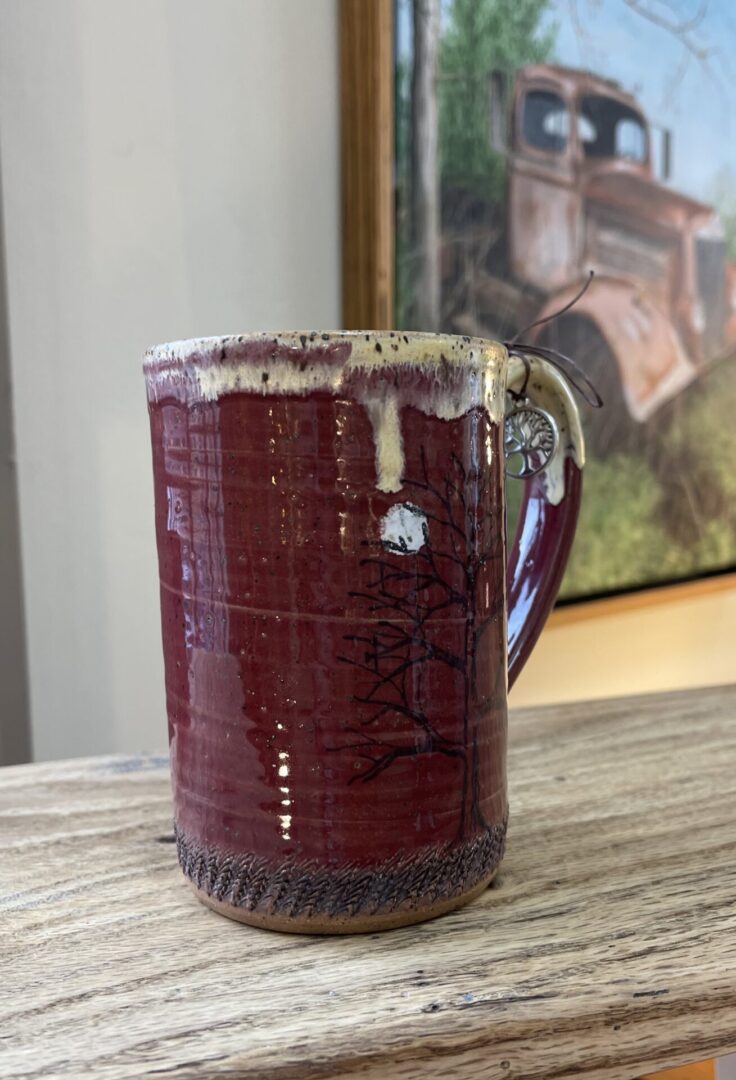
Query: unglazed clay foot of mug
pixel 309 898
pixel 359 924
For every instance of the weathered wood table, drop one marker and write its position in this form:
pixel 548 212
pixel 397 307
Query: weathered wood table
pixel 607 948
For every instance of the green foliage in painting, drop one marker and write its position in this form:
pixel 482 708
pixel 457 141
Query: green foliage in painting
pixel 482 36
pixel 633 529
pixel 478 37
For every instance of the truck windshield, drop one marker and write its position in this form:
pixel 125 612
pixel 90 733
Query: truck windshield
pixel 546 121
pixel 610 129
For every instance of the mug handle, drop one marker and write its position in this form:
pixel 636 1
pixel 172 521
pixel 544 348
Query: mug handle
pixel 550 505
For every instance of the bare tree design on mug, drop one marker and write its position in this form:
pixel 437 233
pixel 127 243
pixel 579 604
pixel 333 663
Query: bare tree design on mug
pixel 412 581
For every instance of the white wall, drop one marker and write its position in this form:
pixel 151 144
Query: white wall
pixel 170 169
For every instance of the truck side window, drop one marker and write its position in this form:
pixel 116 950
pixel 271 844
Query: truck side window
pixel 631 141
pixel 546 121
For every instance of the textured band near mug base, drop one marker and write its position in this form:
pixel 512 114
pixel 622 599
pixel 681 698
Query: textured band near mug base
pixel 304 897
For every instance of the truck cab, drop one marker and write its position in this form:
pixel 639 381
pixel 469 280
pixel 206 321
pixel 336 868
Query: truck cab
pixel 564 126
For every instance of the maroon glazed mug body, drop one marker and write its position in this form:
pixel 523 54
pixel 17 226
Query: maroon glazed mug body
pixel 330 526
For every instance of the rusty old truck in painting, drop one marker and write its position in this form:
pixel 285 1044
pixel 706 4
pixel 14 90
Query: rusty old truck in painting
pixel 582 195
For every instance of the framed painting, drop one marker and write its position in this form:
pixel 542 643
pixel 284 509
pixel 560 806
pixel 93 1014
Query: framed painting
pixel 498 152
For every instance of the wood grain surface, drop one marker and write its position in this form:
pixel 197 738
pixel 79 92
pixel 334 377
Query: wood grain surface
pixel 367 159
pixel 607 947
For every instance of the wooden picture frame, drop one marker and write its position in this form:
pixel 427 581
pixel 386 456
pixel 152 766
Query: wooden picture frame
pixel 367 55
pixel 367 137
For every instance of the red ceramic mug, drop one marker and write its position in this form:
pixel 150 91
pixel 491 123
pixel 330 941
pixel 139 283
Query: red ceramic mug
pixel 339 622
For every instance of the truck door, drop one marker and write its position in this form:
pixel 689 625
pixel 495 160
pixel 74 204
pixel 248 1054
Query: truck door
pixel 545 219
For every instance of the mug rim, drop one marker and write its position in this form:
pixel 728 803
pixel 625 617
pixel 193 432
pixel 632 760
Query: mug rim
pixel 379 348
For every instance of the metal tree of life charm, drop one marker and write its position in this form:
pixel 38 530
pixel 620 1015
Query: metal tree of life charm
pixel 529 441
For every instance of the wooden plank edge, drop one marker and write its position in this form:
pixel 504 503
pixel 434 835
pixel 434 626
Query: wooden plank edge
pixel 644 598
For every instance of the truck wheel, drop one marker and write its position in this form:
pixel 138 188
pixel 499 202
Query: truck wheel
pixel 610 429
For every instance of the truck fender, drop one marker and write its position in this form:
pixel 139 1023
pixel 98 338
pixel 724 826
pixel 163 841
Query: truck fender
pixel 652 362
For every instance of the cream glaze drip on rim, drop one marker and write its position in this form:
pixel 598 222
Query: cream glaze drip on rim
pixel 457 374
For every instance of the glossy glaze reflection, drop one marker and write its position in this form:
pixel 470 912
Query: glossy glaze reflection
pixel 267 511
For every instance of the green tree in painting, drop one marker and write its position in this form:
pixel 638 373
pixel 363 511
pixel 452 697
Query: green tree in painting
pixel 480 36
pixel 477 37
pixel 723 197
